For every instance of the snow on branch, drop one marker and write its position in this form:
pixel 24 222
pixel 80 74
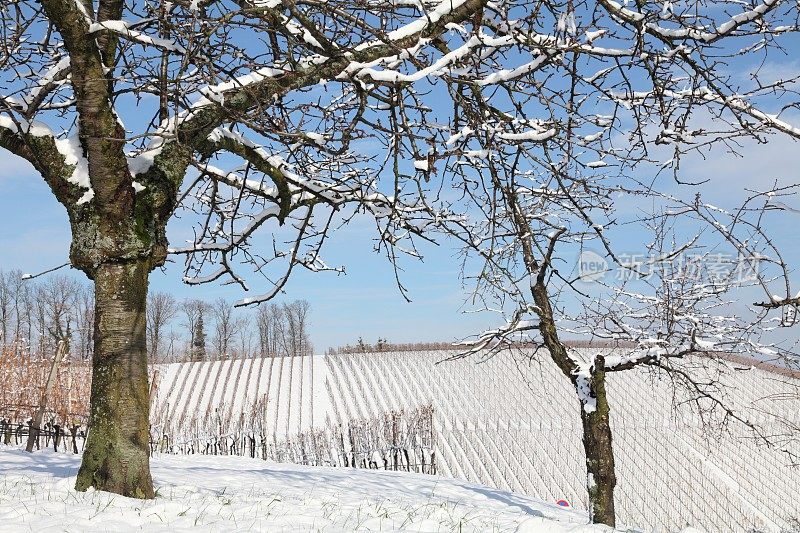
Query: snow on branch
pixel 698 33
pixel 735 103
pixel 425 117
pixel 493 341
pixel 314 69
pixel 18 125
pixel 123 29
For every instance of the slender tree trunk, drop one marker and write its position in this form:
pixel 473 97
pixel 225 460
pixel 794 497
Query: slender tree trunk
pixel 599 451
pixel 597 444
pixel 116 456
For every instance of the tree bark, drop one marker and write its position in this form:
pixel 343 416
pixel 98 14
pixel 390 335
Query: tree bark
pixel 116 456
pixel 599 448
pixel 597 444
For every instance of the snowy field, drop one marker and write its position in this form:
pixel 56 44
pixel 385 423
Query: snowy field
pixel 196 493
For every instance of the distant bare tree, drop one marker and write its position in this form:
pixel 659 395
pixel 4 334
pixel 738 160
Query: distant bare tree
pixel 6 305
pixel 23 310
pixel 161 309
pixel 36 313
pixel 263 321
pixel 84 323
pixel 245 346
pixel 269 319
pixel 56 300
pixel 297 340
pixel 283 329
pixel 226 326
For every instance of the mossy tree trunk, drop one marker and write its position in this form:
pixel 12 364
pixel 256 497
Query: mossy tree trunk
pixel 118 237
pixel 116 457
pixel 597 443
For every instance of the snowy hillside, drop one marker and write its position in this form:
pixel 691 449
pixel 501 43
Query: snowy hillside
pixel 288 393
pixel 509 422
pixel 512 423
pixel 196 493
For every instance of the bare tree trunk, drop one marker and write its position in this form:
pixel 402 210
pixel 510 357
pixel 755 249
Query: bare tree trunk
pixel 116 456
pixel 599 450
pixel 597 444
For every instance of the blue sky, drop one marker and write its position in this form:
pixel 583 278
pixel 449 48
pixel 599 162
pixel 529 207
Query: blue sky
pixel 34 236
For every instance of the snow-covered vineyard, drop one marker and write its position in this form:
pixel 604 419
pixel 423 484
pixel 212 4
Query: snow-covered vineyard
pixel 507 422
pixel 512 423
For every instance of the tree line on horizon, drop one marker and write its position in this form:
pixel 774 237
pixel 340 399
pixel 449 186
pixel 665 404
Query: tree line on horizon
pixel 36 314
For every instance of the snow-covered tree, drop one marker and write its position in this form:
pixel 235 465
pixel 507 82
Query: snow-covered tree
pixel 125 107
pixel 576 153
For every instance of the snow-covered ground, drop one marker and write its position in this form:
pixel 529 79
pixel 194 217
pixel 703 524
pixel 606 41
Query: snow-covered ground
pixel 203 493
